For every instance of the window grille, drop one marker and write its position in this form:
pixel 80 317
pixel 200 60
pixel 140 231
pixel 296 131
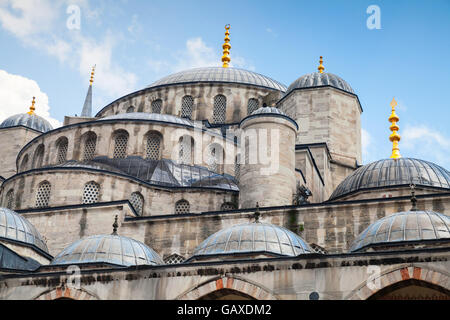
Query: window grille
pixel 43 194
pixel 227 206
pixel 220 106
pixel 130 109
pixel 182 206
pixel 253 105
pixel 186 146
pixel 153 148
pixel 120 146
pixel 90 145
pixel 214 160
pixel 237 167
pixel 157 106
pixel 137 201
pixel 174 259
pixel 187 105
pixel 10 199
pixel 62 151
pixel 91 192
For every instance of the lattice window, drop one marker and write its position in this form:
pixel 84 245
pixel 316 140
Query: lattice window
pixel 130 109
pixel 185 153
pixel 137 201
pixel 62 150
pixel 237 167
pixel 91 192
pixel 220 108
pixel 187 105
pixel 10 199
pixel 24 164
pixel 157 106
pixel 174 259
pixel 43 194
pixel 214 160
pixel 318 249
pixel 120 146
pixel 90 144
pixel 153 147
pixel 182 206
pixel 253 105
pixel 38 157
pixel 227 206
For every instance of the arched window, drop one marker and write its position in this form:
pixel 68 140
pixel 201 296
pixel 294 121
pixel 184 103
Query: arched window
pixel 253 105
pixel 220 109
pixel 10 199
pixel 62 146
pixel 215 158
pixel 43 194
pixel 237 167
pixel 174 259
pixel 38 157
pixel 24 165
pixel 130 109
pixel 91 192
pixel 182 206
pixel 90 144
pixel 187 105
pixel 153 146
pixel 120 145
pixel 226 206
pixel 186 150
pixel 157 106
pixel 137 201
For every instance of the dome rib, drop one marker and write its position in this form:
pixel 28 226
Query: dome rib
pixel 30 121
pixel 317 79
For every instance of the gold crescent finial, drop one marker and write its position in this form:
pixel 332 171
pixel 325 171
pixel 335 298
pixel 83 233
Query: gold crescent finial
pixel 321 67
pixel 394 137
pixel 226 47
pixel 32 107
pixel 92 75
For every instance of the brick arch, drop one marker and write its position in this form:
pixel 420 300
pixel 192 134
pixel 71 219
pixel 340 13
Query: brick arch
pixel 399 274
pixel 243 286
pixel 68 293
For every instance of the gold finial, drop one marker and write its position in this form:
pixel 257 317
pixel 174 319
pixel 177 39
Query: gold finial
pixel 394 137
pixel 92 75
pixel 32 108
pixel 321 67
pixel 226 48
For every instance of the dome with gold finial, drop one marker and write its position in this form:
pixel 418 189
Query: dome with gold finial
pixel 29 120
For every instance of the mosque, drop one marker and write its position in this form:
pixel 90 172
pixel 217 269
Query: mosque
pixel 219 183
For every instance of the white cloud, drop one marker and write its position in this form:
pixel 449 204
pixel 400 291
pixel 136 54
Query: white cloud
pixel 16 93
pixel 366 141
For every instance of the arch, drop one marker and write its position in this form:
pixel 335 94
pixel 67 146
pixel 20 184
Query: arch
pixel 241 286
pixel 137 201
pixel 120 138
pixel 186 150
pixel 38 158
pixel 91 192
pixel 9 199
pixel 187 106
pixel 412 289
pixel 89 140
pixel 215 158
pixel 390 277
pixel 237 167
pixel 182 207
pixel 24 164
pixel 43 194
pixel 174 258
pixel 66 293
pixel 226 206
pixel 157 106
pixel 252 106
pixel 130 109
pixel 220 109
pixel 62 145
pixel 153 145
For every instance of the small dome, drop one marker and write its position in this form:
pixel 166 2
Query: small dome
pixel 268 110
pixel 150 116
pixel 391 173
pixel 112 249
pixel 317 79
pixel 220 75
pixel 404 226
pixel 31 121
pixel 15 227
pixel 253 238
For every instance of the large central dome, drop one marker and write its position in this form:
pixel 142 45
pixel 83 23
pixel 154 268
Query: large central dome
pixel 221 75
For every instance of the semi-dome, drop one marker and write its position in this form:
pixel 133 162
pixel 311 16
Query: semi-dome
pixel 401 227
pixel 391 173
pixel 17 228
pixel 317 79
pixel 220 75
pixel 114 249
pixel 268 110
pixel 32 121
pixel 253 238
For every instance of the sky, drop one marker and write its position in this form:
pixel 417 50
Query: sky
pixel 401 50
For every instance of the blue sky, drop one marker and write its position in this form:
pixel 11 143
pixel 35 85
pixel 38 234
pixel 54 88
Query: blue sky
pixel 136 42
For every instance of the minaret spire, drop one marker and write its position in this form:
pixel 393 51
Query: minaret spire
pixel 32 107
pixel 226 48
pixel 394 137
pixel 321 67
pixel 87 107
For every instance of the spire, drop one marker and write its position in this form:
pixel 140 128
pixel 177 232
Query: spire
pixel 394 137
pixel 87 107
pixel 115 226
pixel 226 47
pixel 413 197
pixel 32 107
pixel 321 67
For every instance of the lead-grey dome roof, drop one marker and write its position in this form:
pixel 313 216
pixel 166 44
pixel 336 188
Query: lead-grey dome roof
pixel 394 172
pixel 317 79
pixel 15 227
pixel 222 75
pixel 253 238
pixel 31 121
pixel 113 249
pixel 150 116
pixel 404 226
pixel 268 110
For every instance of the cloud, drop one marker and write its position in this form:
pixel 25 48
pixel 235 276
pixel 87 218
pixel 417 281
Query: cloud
pixel 273 33
pixel 16 93
pixel 366 142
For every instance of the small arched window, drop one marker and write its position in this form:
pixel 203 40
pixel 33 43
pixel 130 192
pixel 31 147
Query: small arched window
pixel 157 106
pixel 24 165
pixel 90 144
pixel 10 199
pixel 153 146
pixel 137 201
pixel 38 157
pixel 220 109
pixel 62 146
pixel 215 158
pixel 182 207
pixel 43 194
pixel 120 145
pixel 187 106
pixel 226 206
pixel 186 150
pixel 91 192
pixel 130 109
pixel 253 105
pixel 237 167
